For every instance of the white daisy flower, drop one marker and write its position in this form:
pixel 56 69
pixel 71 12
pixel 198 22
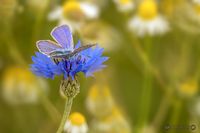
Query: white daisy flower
pixel 148 21
pixel 74 13
pixel 125 5
pixel 76 124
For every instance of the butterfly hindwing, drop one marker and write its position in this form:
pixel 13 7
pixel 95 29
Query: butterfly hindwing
pixel 76 51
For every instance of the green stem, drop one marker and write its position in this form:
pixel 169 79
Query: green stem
pixel 176 113
pixel 50 108
pixel 12 47
pixel 147 91
pixel 163 109
pixel 67 110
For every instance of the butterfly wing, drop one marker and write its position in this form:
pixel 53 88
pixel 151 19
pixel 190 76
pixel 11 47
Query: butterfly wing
pixel 63 36
pixel 76 51
pixel 46 46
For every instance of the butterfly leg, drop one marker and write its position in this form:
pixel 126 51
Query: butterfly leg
pixel 55 60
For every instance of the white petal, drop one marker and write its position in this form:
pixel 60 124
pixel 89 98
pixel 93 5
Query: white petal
pixel 55 14
pixel 90 10
pixel 152 27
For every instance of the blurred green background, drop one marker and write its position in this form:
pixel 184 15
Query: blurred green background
pixel 152 79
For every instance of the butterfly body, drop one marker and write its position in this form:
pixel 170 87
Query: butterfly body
pixel 59 53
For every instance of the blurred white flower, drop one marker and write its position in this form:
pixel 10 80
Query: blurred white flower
pixel 196 1
pixel 99 98
pixel 76 124
pixel 194 107
pixel 74 13
pixel 104 34
pixel 37 5
pixel 115 122
pixel 188 17
pixel 196 10
pixel 20 86
pixel 148 129
pixel 7 9
pixel 125 5
pixel 198 107
pixel 148 21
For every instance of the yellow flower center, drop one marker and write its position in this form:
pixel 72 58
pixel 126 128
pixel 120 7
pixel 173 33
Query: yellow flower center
pixel 15 76
pixel 77 119
pixel 124 2
pixel 71 6
pixel 197 9
pixel 72 10
pixel 98 92
pixel 148 10
pixel 189 88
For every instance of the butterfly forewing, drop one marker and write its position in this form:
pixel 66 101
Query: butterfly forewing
pixel 63 36
pixel 46 46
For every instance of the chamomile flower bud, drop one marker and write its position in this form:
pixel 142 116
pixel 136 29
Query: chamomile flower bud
pixel 21 86
pixel 74 13
pixel 99 98
pixel 125 5
pixel 148 21
pixel 188 88
pixel 76 124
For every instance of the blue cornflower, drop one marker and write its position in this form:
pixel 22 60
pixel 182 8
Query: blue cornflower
pixel 87 61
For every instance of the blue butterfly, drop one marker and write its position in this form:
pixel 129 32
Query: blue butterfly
pixel 64 48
